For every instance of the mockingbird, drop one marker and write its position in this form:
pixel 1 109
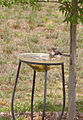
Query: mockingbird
pixel 53 52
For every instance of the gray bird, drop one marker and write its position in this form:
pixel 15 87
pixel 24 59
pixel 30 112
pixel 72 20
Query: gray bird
pixel 53 52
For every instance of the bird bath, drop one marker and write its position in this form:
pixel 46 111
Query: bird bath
pixel 37 61
pixel 40 62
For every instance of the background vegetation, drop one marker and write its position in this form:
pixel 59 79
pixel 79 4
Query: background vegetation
pixel 23 30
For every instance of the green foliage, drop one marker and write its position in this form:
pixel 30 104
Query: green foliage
pixel 67 8
pixel 9 3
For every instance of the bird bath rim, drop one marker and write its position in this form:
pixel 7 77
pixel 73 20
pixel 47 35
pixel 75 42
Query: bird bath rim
pixel 37 61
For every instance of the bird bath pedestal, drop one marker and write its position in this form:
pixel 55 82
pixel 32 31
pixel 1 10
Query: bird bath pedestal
pixel 40 62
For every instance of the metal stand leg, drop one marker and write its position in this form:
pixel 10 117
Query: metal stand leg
pixel 33 94
pixel 15 90
pixel 45 88
pixel 63 81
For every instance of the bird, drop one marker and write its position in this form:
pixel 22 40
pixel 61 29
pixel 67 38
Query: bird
pixel 53 52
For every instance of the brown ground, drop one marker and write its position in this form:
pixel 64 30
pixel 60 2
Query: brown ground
pixel 38 116
pixel 53 116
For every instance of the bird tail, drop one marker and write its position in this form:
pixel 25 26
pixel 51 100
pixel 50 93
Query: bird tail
pixel 66 55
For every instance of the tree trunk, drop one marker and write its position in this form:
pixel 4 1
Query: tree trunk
pixel 72 75
pixel 72 70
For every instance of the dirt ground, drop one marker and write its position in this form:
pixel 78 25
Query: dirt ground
pixel 38 116
pixel 53 116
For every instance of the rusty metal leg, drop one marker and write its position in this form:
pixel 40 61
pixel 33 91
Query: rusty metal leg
pixel 12 102
pixel 45 89
pixel 32 94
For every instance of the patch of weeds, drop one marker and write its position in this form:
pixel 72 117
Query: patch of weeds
pixel 5 118
pixel 32 26
pixel 1 16
pixel 55 15
pixel 38 105
pixel 51 27
pixel 40 23
pixel 49 10
pixel 6 93
pixel 52 107
pixel 59 96
pixel 80 43
pixel 5 109
pixel 43 48
pixel 45 19
pixel 81 75
pixel 16 25
pixel 18 34
pixel 15 62
pixel 22 107
pixel 49 106
pixel 22 86
pixel 22 15
pixel 66 28
pixel 10 75
pixel 79 88
pixel 3 60
pixel 24 69
pixel 51 35
pixel 34 47
pixel 50 94
pixel 79 70
pixel 32 20
pixel 24 77
pixel 34 39
pixel 6 36
pixel 19 95
pixel 80 97
pixel 36 50
pixel 58 42
pixel 7 77
pixel 8 49
pixel 21 117
pixel 79 106
pixel 4 77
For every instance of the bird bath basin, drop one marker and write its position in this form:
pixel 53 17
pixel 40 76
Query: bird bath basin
pixel 37 61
